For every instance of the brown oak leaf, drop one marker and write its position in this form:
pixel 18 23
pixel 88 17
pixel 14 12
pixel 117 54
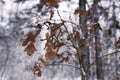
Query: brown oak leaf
pixel 30 37
pixel 30 49
pixel 82 13
pixel 36 70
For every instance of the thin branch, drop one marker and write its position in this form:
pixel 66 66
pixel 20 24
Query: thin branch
pixel 116 52
pixel 58 64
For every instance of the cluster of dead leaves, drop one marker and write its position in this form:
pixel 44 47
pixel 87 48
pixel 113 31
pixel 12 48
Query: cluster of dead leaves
pixel 30 40
pixel 54 27
pixel 51 48
pixel 52 45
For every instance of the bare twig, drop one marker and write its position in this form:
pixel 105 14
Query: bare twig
pixel 58 64
pixel 116 52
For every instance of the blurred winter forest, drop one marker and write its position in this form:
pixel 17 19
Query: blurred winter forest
pixel 59 39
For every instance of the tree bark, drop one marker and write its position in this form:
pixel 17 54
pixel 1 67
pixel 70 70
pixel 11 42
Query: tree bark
pixel 99 69
pixel 114 40
pixel 85 56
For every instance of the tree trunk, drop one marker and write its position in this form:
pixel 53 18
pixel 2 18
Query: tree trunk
pixel 99 70
pixel 114 40
pixel 85 57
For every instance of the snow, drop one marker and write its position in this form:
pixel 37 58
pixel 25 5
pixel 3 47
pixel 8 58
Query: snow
pixel 14 62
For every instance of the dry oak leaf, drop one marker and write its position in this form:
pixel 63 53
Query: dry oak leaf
pixel 77 36
pixel 42 60
pixel 118 43
pixel 59 45
pixel 30 49
pixel 50 54
pixel 22 32
pixel 36 70
pixel 30 37
pixel 52 2
pixel 82 13
pixel 94 28
pixel 51 14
